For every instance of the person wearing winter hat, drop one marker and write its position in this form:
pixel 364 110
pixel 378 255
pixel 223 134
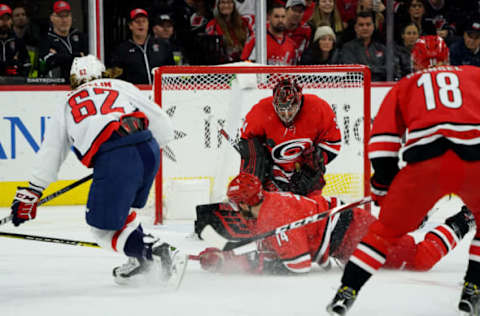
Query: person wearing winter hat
pixel 322 50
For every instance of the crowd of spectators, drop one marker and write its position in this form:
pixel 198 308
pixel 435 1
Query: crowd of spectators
pixel 206 32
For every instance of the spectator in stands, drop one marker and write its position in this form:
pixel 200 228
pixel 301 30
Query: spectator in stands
pixel 280 48
pixel 403 65
pixel 414 12
pixel 466 51
pixel 62 43
pixel 364 49
pixel 29 32
pixel 322 51
pixel 410 34
pixel 234 29
pixel 14 60
pixel 137 56
pixel 191 18
pixel 327 13
pixel 163 28
pixel 298 32
pixel 347 9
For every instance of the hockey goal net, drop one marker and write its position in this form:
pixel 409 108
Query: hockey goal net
pixel 201 100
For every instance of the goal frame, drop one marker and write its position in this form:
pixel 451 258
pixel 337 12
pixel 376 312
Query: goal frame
pixel 157 94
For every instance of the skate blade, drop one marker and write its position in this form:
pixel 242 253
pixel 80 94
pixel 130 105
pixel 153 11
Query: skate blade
pixel 179 266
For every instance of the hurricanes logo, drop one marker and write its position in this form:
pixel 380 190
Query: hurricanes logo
pixel 290 150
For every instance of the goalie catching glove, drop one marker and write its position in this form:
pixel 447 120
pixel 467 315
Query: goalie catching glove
pixel 24 205
pixel 309 174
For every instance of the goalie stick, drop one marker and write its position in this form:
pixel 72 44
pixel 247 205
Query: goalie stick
pixel 69 242
pixel 249 244
pixel 53 195
pixel 230 140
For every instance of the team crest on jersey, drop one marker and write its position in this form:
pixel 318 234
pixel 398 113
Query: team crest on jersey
pixel 156 47
pixel 75 38
pixel 290 150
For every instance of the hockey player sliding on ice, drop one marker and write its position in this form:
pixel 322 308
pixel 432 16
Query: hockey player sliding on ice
pixel 334 237
pixel 438 109
pixel 115 130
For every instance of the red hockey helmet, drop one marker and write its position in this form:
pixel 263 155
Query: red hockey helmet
pixel 287 98
pixel 245 188
pixel 429 51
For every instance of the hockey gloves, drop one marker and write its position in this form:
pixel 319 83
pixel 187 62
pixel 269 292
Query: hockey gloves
pixel 24 205
pixel 308 176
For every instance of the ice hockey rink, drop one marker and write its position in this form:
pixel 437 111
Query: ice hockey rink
pixel 39 278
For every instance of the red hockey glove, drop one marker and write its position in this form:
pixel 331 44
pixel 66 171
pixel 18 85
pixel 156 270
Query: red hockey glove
pixel 24 205
pixel 213 259
pixel 379 191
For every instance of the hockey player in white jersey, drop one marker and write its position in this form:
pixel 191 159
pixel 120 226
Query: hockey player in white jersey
pixel 114 129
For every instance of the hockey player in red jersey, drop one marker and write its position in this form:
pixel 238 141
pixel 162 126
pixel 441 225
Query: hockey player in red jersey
pixel 114 129
pixel 288 139
pixel 335 237
pixel 436 109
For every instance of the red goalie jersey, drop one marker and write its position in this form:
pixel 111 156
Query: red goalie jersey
pixel 314 125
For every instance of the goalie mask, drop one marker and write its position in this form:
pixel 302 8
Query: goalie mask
pixel 429 51
pixel 85 69
pixel 287 98
pixel 245 188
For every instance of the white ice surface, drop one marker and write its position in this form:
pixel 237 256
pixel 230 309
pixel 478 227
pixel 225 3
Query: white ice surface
pixel 38 278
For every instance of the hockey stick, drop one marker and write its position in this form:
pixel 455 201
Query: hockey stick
pixel 230 140
pixel 249 244
pixel 53 195
pixel 69 242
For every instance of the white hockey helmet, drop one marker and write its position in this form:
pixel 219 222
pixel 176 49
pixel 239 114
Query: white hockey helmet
pixel 87 68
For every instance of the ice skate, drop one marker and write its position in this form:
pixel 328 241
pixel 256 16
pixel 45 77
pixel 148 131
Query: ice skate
pixel 342 301
pixel 173 264
pixel 462 222
pixel 470 300
pixel 131 271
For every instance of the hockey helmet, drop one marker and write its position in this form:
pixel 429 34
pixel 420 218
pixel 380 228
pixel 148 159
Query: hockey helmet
pixel 245 188
pixel 429 51
pixel 287 98
pixel 87 68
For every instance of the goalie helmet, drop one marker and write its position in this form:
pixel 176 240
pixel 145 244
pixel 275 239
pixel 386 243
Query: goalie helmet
pixel 86 68
pixel 287 98
pixel 245 188
pixel 429 51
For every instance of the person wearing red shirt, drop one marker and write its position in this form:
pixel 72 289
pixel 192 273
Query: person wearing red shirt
pixel 333 238
pixel 299 32
pixel 280 48
pixel 436 110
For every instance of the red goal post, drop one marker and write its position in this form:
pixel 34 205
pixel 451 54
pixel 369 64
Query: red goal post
pixel 201 100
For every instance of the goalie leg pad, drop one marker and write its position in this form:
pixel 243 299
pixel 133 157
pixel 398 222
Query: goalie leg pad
pixel 226 222
pixel 255 158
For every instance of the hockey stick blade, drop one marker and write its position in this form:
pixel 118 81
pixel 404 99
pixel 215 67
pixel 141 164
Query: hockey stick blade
pixel 245 245
pixel 52 196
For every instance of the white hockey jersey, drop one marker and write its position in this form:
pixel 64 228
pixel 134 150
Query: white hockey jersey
pixel 87 119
